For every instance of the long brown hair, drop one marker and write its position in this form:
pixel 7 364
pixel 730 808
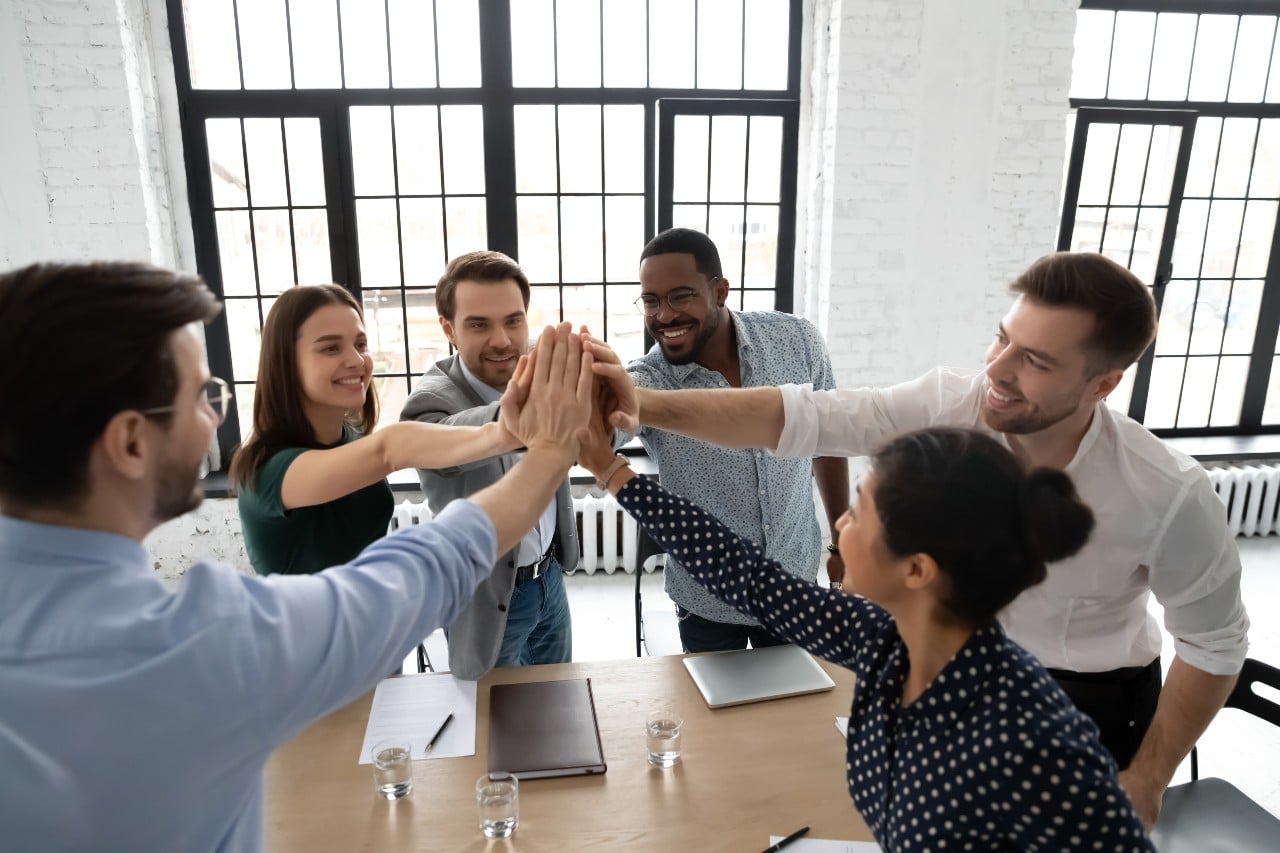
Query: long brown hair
pixel 279 419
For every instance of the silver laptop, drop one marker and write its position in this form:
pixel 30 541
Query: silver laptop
pixel 754 675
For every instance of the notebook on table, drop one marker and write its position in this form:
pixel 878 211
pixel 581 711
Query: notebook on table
pixel 543 729
pixel 754 675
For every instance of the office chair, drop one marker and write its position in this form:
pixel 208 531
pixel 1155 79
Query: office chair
pixel 1212 814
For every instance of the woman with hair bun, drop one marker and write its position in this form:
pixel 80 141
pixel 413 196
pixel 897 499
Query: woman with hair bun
pixel 958 738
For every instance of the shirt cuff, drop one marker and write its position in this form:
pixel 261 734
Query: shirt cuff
pixel 799 437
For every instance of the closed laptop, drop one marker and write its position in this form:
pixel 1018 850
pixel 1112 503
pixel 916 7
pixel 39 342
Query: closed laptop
pixel 543 729
pixel 754 675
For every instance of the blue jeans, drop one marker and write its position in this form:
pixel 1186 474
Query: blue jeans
pixel 703 635
pixel 538 626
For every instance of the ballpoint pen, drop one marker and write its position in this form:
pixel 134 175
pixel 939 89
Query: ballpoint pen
pixel 435 737
pixel 774 848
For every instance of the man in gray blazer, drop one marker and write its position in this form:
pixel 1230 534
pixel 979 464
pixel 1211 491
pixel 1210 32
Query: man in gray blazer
pixel 520 615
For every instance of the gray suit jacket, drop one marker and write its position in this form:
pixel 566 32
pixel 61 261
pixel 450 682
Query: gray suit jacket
pixel 443 396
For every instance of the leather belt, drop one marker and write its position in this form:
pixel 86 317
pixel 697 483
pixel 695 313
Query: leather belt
pixel 534 570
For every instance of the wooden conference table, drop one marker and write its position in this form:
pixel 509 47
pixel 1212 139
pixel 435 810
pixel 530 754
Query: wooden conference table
pixel 747 772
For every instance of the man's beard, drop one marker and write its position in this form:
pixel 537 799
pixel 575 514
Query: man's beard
pixel 178 492
pixel 706 329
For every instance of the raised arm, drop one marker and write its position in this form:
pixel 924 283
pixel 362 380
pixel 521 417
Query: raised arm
pixel 321 476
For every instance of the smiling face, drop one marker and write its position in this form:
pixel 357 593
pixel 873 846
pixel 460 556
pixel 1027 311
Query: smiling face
pixel 683 334
pixel 490 329
pixel 1038 371
pixel 334 364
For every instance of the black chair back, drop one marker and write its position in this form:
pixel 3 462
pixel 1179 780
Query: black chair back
pixel 1244 698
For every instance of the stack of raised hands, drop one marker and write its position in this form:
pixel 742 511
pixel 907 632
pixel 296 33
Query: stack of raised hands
pixel 569 394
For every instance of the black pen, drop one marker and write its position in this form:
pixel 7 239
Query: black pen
pixel 784 842
pixel 435 737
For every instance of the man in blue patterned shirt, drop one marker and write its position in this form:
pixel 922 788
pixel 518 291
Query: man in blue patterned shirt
pixel 703 344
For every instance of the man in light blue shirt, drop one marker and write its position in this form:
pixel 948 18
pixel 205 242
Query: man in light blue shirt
pixel 137 719
pixel 701 343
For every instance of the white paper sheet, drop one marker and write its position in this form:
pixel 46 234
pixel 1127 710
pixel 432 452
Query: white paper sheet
pixel 413 707
pixel 825 845
pixel 842 726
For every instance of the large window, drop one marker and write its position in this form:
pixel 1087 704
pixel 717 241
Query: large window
pixel 1175 172
pixel 367 141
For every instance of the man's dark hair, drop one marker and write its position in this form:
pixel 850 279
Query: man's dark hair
pixel 688 242
pixel 1122 307
pixel 80 343
pixel 482 267
pixel 962 498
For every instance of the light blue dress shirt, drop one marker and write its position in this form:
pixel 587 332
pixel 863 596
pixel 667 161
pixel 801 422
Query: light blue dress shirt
pixel 137 719
pixel 759 496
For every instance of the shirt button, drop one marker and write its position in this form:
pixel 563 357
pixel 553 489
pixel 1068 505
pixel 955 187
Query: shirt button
pixel 762 492
pixel 766 527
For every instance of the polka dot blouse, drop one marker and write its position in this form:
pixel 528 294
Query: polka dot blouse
pixel 992 756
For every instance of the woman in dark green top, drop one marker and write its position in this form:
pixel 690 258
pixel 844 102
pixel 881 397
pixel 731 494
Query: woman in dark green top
pixel 311 478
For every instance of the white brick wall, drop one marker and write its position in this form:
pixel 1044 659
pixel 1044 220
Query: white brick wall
pixel 932 164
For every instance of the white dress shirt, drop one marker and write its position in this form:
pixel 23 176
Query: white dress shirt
pixel 1160 528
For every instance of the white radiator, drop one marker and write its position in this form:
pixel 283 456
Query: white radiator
pixel 607 535
pixel 1249 493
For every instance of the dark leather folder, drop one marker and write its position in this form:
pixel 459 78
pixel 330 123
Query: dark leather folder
pixel 543 729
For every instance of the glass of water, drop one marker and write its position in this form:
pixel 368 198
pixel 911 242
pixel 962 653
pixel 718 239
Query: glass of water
pixel 662 729
pixel 392 769
pixel 498 799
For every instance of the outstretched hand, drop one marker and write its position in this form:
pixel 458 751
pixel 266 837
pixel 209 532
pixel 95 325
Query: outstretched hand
pixel 548 400
pixel 623 405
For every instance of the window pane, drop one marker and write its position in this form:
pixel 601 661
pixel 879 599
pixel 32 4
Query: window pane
pixel 417 150
pixel 764 163
pixel 1204 157
pixel 1209 318
pixel 625 30
pixel 578 42
pixel 1117 240
pixel 226 162
pixel 761 257
pixel 1265 181
pixel 759 300
pixel 264 45
pixel 584 306
pixel 413 36
pixel 1162 398
pixel 1212 63
pixel 624 149
pixel 246 334
pixel 244 405
pixel 1131 161
pixel 1099 157
pixel 720 44
pixel 1174 329
pixel 1235 156
pixel 1223 239
pixel 364 43
pixel 1171 65
pixel 689 168
pixel 266 162
pixel 314 26
pixel 1271 412
pixel 1253 53
pixel 371 151
pixel 671 55
pixel 1146 248
pixel 1165 140
pixel 211 44
pixel 768 26
pixel 379 246
pixel 1197 390
pixel 1228 392
pixel 1092 57
pixel 468 229
pixel 533 44
pixel 235 253
pixel 1131 55
pixel 1242 317
pixel 626 325
pixel 311 245
pixel 422 240
pixel 1273 78
pixel 535 149
pixel 463 132
pixel 539 238
pixel 725 230
pixel 1255 239
pixel 1193 219
pixel 274 244
pixel 306 165
pixel 582 247
pixel 689 216
pixel 580 140
pixel 1086 233
pixel 544 306
pixel 384 323
pixel 728 158
pixel 458 25
pixel 427 343
pixel 624 237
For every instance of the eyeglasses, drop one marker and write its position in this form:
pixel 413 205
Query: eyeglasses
pixel 217 394
pixel 677 300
